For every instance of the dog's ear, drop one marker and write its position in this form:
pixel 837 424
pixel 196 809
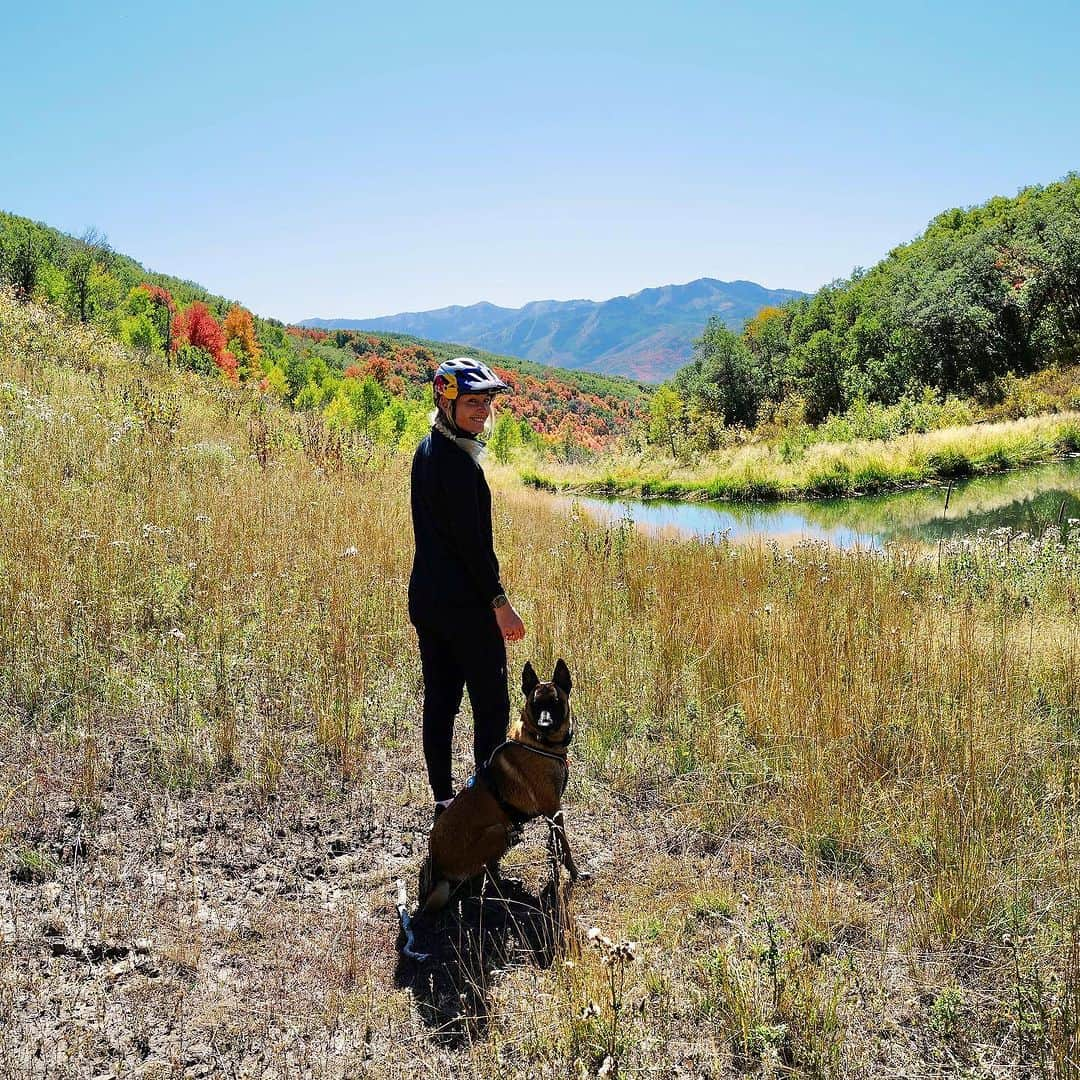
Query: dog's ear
pixel 529 681
pixel 561 678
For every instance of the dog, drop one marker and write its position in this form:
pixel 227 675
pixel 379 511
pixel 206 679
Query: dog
pixel 523 779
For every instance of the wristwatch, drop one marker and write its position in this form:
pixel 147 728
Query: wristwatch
pixel 499 601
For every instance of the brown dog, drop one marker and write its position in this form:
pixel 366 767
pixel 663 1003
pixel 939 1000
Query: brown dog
pixel 524 779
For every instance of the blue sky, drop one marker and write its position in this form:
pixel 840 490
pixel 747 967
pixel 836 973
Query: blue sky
pixel 354 161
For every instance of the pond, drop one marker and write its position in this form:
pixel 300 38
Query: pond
pixel 1026 501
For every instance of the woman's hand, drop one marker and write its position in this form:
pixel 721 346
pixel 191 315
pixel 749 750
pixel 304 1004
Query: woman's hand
pixel 510 624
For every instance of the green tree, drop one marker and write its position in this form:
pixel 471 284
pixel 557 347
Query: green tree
pixel 20 259
pixel 86 260
pixel 368 400
pixel 138 323
pixel 820 375
pixel 310 397
pixel 505 437
pixel 666 417
pixel 766 336
pixel 340 413
pixel 721 379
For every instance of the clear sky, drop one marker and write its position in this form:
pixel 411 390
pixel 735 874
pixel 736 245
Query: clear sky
pixel 359 160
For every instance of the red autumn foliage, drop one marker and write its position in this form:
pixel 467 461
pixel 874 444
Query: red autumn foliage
pixel 160 296
pixel 196 326
pixel 378 367
pixel 228 365
pixel 305 332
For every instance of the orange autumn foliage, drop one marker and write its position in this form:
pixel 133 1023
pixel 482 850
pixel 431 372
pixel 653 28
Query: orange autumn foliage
pixel 240 328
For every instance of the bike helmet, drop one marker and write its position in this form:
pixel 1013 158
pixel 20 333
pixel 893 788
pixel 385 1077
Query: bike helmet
pixel 464 376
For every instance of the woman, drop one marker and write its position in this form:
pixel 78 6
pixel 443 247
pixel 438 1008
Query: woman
pixel 456 600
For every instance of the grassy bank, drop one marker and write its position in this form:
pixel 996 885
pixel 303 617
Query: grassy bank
pixel 765 472
pixel 832 798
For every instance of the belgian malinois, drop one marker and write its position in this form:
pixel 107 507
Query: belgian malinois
pixel 523 779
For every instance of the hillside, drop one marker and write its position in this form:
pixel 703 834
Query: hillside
pixel 647 335
pixel 986 295
pixel 570 411
pixel 370 385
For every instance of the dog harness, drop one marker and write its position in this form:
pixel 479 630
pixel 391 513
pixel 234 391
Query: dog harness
pixel 486 773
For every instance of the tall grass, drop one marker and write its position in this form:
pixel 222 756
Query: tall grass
pixel 879 752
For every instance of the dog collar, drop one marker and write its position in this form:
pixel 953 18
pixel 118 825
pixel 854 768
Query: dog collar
pixel 562 743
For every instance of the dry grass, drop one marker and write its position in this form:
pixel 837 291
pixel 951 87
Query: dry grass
pixel 834 797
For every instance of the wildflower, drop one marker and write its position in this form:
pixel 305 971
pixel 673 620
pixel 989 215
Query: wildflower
pixel 591 1010
pixel 350 552
pixel 596 936
pixel 177 635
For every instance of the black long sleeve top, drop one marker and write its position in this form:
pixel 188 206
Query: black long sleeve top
pixel 455 573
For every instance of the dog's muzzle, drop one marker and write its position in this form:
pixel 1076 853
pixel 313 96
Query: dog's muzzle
pixel 545 720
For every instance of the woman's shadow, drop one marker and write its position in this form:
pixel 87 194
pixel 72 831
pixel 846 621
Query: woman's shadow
pixel 488 926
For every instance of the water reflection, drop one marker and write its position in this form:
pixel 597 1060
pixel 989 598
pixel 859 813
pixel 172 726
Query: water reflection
pixel 1025 501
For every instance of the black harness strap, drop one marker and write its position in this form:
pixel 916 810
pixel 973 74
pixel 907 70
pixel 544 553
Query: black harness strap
pixel 487 775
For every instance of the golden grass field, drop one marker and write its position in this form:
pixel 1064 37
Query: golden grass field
pixel 831 798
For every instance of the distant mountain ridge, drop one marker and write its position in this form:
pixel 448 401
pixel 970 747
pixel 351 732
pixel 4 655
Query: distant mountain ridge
pixel 647 335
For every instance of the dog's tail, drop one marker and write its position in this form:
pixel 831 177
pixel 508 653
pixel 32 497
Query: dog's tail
pixel 437 898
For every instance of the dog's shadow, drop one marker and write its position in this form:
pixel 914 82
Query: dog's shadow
pixel 488 927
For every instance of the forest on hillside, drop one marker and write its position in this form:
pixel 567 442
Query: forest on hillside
pixel 984 298
pixel 372 386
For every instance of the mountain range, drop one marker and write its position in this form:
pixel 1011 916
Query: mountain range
pixel 648 335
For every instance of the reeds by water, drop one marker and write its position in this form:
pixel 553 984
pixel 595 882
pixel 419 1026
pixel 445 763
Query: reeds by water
pixel 763 472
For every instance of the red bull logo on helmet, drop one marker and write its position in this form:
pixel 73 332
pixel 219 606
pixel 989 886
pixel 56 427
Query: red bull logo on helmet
pixel 445 385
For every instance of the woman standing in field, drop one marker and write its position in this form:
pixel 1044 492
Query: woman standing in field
pixel 456 600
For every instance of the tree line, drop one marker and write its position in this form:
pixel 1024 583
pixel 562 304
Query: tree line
pixel 983 294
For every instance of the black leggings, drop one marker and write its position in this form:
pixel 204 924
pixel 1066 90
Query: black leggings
pixel 472 656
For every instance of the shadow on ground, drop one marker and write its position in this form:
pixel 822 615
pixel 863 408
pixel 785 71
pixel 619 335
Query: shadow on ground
pixel 494 926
